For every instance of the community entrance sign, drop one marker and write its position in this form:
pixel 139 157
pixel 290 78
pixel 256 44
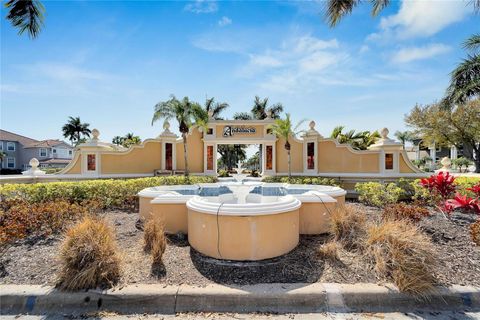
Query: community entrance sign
pixel 229 131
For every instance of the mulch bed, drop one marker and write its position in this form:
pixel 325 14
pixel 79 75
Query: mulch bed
pixel 34 261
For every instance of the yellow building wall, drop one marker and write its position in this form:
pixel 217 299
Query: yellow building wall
pixel 296 153
pixel 403 166
pixel 333 158
pixel 195 152
pixel 135 160
pixel 258 131
pixel 77 166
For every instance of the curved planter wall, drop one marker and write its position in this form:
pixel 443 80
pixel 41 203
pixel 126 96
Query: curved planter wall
pixel 251 233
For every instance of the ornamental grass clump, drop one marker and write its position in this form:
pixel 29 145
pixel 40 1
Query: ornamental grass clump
pixel 400 211
pixel 89 256
pixel 329 251
pixel 403 254
pixel 348 226
pixel 154 240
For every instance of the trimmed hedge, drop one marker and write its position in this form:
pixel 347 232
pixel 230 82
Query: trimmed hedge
pixel 302 180
pixel 110 193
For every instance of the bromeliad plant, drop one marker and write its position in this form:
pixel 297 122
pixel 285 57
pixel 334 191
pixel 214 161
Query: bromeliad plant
pixel 441 184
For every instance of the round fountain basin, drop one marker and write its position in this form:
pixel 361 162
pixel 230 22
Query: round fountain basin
pixel 224 228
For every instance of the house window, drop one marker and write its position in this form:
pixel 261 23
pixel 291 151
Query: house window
pixel 43 152
pixel 168 156
pixel 91 162
pixel 10 146
pixel 389 161
pixel 209 157
pixel 269 157
pixel 11 163
pixel 54 151
pixel 310 155
pixel 210 131
pixel 1 145
pixel 69 152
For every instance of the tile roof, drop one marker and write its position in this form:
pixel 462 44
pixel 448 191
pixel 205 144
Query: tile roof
pixel 47 143
pixel 56 161
pixel 10 136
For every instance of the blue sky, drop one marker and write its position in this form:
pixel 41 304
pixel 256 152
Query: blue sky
pixel 109 62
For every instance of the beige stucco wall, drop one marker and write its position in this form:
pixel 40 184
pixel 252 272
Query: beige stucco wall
pixel 258 131
pixel 243 238
pixel 76 167
pixel 296 153
pixel 139 159
pixel 195 152
pixel 173 216
pixel 403 166
pixel 333 158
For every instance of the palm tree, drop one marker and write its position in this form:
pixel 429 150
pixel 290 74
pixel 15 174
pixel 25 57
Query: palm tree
pixel 185 111
pixel 26 15
pixel 260 109
pixel 282 128
pixel 215 107
pixel 118 140
pixel 2 156
pixel 130 139
pixel 335 10
pixel 242 116
pixel 465 79
pixel 404 137
pixel 358 140
pixel 74 129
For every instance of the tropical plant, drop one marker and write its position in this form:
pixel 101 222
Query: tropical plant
pixel 284 129
pixel 260 109
pixel 463 203
pixel 404 137
pixel 74 129
pixel 461 163
pixel 242 116
pixel 335 10
pixel 215 108
pixel 475 189
pixel 378 194
pixel 230 155
pixel 186 113
pixel 26 15
pixel 441 184
pixel 458 126
pixel 2 156
pixel 358 140
pixel 465 79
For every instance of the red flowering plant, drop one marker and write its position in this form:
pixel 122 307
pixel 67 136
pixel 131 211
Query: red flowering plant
pixel 463 203
pixel 475 189
pixel 440 184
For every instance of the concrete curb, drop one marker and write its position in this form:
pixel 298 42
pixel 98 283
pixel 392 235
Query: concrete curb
pixel 281 298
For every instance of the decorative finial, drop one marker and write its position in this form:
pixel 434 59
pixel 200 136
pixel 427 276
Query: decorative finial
pixel 210 114
pixel 95 134
pixel 166 125
pixel 312 125
pixel 34 163
pixel 384 133
pixel 269 114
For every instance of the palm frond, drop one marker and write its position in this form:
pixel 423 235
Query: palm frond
pixel 472 43
pixel 378 5
pixel 464 82
pixel 335 10
pixel 26 15
pixel 242 116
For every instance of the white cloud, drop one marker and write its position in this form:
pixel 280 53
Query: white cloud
pixel 202 6
pixel 421 18
pixel 364 49
pixel 418 53
pixel 225 21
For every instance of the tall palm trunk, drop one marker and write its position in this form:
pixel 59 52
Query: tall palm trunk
pixel 287 147
pixel 185 154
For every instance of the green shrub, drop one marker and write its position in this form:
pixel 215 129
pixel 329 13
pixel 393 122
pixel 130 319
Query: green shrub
pixel 463 183
pixel 462 163
pixel 302 180
pixel 110 193
pixel 222 173
pixel 378 194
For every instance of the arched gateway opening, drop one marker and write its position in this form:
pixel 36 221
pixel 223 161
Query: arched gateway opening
pixel 224 134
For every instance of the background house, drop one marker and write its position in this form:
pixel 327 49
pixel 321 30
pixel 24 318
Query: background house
pixel 18 150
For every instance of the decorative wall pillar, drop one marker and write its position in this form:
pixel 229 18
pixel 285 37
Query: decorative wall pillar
pixel 390 153
pixel 169 150
pixel 310 150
